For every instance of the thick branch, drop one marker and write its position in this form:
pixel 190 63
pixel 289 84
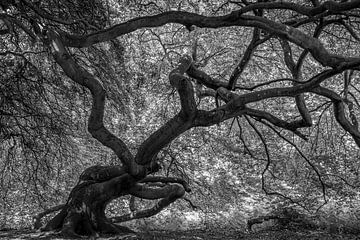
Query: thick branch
pixel 168 193
pixel 142 190
pixel 339 112
pixel 184 87
pixel 167 180
pixel 204 78
pixel 95 124
pixel 313 45
pixel 188 19
pixel 179 123
pixel 235 18
pixel 208 81
pixel 285 91
pixel 101 173
pixel 288 57
pixel 295 72
pixel 160 138
pixel 331 6
pixel 215 84
pixel 236 106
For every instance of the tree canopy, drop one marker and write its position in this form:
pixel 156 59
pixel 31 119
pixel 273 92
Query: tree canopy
pixel 177 88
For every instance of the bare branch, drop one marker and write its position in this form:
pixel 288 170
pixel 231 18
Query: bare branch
pixel 236 106
pixel 246 148
pixel 323 188
pixel 44 14
pixel 212 83
pixel 255 41
pixel 268 162
pixel 296 74
pixel 339 112
pixel 9 20
pixel 235 18
pixel 193 206
pixel 350 30
pixel 308 11
pixel 291 126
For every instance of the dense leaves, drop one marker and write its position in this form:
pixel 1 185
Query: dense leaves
pixel 254 104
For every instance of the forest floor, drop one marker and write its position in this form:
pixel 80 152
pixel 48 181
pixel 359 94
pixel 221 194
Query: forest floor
pixel 214 234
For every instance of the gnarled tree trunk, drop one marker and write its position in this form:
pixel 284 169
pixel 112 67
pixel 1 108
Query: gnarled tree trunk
pixel 84 212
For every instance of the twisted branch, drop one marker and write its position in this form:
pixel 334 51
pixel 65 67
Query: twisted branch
pixel 168 193
pixel 96 119
pixel 179 123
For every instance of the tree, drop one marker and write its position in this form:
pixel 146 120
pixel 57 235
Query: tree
pixel 308 35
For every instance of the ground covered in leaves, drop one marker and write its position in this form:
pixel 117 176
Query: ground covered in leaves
pixel 214 234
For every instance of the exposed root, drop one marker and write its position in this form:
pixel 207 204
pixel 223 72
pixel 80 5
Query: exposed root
pixel 38 217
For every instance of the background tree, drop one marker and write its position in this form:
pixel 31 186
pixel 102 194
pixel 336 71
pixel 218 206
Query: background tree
pixel 301 59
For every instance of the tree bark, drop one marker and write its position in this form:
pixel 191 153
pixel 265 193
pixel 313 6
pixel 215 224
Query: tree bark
pixel 84 212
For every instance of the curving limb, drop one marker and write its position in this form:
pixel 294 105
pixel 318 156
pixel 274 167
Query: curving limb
pixel 98 185
pixel 179 123
pixel 235 18
pixel 96 120
pixel 254 43
pixel 339 112
pixel 237 103
pixel 294 68
pixel 291 126
pixel 168 194
pixel 161 179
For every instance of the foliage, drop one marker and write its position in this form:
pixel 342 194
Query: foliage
pixel 230 159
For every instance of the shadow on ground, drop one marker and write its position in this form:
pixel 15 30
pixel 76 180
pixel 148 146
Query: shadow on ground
pixel 193 235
